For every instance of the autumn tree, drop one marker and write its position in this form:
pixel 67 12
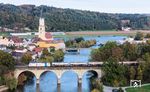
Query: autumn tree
pixel 139 73
pixel 139 36
pixel 109 50
pixel 11 83
pixel 132 73
pixel 26 58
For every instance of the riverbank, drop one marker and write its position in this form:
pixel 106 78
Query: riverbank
pixel 129 88
pixel 128 33
pixel 3 88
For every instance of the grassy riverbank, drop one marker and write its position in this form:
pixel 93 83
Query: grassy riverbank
pixel 90 33
pixel 145 88
pixel 109 32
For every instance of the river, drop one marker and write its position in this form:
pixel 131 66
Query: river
pixel 69 80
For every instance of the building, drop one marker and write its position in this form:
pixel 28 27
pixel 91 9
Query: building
pixel 46 40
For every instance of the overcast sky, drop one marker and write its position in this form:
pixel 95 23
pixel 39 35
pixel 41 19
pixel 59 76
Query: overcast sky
pixel 108 6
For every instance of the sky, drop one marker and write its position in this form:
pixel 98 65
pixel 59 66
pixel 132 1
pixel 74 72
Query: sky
pixel 107 6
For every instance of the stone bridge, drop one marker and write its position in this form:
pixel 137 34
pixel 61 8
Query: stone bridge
pixel 59 71
pixel 79 69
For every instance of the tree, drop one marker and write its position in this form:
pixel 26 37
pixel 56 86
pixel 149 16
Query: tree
pixel 145 68
pixel 139 36
pixel 139 73
pixel 52 49
pixel 6 61
pixel 45 52
pixel 120 90
pixel 109 50
pixel 147 35
pixel 132 73
pixel 11 83
pixel 26 58
pixel 48 59
pixel 95 90
pixel 114 73
pixel 96 84
pixel 58 55
pixel 130 51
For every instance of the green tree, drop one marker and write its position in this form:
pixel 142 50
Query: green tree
pixel 26 58
pixel 139 73
pixel 6 62
pixel 45 52
pixel 146 68
pixel 58 55
pixel 48 59
pixel 114 73
pixel 132 73
pixel 130 51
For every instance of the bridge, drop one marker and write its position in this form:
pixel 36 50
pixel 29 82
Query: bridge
pixel 59 71
pixel 78 68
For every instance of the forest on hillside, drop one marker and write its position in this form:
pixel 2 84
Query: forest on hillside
pixel 58 19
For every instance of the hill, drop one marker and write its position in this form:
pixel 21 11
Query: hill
pixel 58 19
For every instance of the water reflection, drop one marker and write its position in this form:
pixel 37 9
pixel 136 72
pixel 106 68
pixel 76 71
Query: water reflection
pixel 30 86
pixel 69 82
pixel 86 82
pixel 84 55
pixel 48 82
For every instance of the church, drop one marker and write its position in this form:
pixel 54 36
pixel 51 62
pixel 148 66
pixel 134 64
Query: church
pixel 46 39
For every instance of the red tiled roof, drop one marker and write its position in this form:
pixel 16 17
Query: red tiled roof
pixel 16 39
pixel 48 35
pixel 38 49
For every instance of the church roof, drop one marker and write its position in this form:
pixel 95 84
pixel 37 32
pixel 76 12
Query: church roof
pixel 48 35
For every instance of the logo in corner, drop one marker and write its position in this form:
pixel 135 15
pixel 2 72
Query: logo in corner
pixel 135 83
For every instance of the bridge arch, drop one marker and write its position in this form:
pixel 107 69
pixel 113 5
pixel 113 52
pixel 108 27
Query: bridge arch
pixel 96 73
pixel 48 81
pixel 29 75
pixel 21 72
pixel 69 71
pixel 48 71
pixel 69 77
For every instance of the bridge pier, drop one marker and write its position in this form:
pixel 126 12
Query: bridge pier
pixel 80 85
pixel 58 88
pixel 37 88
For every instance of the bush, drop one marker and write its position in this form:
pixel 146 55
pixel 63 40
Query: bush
pixel 139 36
pixel 11 83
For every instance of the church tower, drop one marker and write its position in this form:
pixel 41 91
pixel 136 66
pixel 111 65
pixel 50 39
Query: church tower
pixel 41 28
pixel 46 36
pixel 42 34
